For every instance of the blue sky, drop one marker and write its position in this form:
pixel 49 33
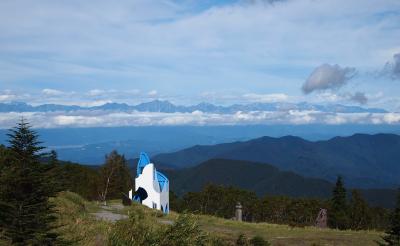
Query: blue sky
pixel 188 51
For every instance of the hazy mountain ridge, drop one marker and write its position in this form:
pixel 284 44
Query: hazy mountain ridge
pixel 168 107
pixel 259 177
pixel 263 179
pixel 90 145
pixel 365 161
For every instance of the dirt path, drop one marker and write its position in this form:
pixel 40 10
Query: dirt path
pixel 111 213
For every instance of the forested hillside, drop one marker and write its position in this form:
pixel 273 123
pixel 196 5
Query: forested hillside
pixel 263 179
pixel 365 161
pixel 260 178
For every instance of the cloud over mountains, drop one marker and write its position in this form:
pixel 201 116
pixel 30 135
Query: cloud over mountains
pixel 392 68
pixel 326 77
pixel 164 113
pixel 196 118
pixel 359 97
pixel 332 78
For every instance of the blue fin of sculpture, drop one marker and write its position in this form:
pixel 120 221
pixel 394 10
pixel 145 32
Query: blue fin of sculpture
pixel 143 161
pixel 162 180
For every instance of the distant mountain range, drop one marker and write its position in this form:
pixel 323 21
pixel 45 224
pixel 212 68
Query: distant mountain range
pixel 365 161
pixel 168 107
pixel 90 145
pixel 263 179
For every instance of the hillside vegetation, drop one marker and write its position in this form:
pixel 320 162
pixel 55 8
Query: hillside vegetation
pixel 263 179
pixel 79 225
pixel 260 178
pixel 75 222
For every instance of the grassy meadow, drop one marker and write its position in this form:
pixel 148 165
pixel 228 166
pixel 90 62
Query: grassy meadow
pixel 77 223
pixel 286 235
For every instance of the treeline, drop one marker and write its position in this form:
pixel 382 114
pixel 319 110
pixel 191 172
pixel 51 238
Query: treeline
pixel 109 181
pixel 89 182
pixel 342 213
pixel 29 177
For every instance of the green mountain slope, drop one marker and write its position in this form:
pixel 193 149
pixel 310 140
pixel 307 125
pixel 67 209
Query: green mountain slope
pixel 367 161
pixel 263 179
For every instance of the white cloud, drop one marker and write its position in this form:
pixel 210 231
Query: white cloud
pixel 343 97
pixel 197 112
pixel 391 118
pixel 152 93
pixel 328 77
pixel 302 117
pixel 277 97
pixel 7 97
pixel 52 92
pixel 93 103
pixel 107 119
pixel 77 120
pixel 95 92
pixel 336 120
pixel 329 97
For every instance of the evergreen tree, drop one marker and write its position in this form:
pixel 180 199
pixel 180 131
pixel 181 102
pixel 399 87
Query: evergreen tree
pixel 393 233
pixel 27 215
pixel 24 144
pixel 53 158
pixel 337 215
pixel 55 173
pixel 4 206
pixel 4 156
pixel 359 212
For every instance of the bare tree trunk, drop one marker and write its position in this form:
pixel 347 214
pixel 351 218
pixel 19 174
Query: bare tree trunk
pixel 103 194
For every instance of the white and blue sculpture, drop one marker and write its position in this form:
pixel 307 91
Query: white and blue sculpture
pixel 151 186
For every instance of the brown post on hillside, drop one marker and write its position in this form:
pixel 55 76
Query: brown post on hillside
pixel 238 213
pixel 322 219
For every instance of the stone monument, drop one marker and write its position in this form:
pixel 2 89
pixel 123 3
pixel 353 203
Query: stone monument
pixel 238 213
pixel 322 219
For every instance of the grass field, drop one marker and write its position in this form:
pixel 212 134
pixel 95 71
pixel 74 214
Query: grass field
pixel 78 224
pixel 285 235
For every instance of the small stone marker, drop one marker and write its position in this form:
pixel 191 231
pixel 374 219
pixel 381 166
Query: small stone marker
pixel 322 218
pixel 238 213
